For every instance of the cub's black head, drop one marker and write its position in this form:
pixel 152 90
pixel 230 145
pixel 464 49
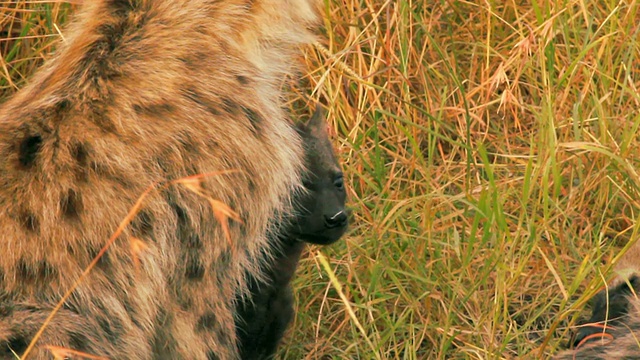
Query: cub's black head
pixel 321 217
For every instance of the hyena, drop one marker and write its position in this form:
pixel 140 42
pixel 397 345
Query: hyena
pixel 320 218
pixel 615 315
pixel 143 92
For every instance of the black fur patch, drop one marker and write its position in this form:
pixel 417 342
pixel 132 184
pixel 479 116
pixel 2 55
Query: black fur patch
pixel 206 322
pixel 29 221
pixel 62 106
pixel 28 150
pixel 16 344
pixel 194 269
pixel 212 356
pixel 71 205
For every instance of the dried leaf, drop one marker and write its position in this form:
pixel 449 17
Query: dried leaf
pixel 222 213
pixel 137 246
pixel 61 353
pixel 192 183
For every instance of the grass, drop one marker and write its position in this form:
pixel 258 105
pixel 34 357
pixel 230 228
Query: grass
pixel 491 154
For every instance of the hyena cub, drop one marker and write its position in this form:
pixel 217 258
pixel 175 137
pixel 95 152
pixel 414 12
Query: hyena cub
pixel 320 219
pixel 615 315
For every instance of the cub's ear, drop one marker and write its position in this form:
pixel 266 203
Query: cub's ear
pixel 316 125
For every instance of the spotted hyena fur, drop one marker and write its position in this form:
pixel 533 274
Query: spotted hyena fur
pixel 320 218
pixel 141 92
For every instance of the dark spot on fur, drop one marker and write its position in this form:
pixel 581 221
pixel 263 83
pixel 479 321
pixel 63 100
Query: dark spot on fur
pixel 15 345
pixel 243 80
pixel 6 310
pixel 80 154
pixel 132 313
pixel 111 328
pixel 56 112
pixel 185 303
pixel 143 225
pixel 181 215
pixel 71 205
pixel 24 272
pixel 104 262
pixel 157 110
pixel 193 95
pixel 62 105
pixel 29 221
pixel 189 145
pixel 229 105
pixel 31 273
pixel 255 120
pixel 71 307
pixel 99 57
pixel 122 7
pixel 110 325
pixel 225 258
pixel 212 356
pixel 185 232
pixel 194 269
pixel 251 185
pixel 78 341
pixel 99 113
pixel 103 57
pixel 164 163
pixel 195 59
pixel 28 150
pixel 192 241
pixel 206 322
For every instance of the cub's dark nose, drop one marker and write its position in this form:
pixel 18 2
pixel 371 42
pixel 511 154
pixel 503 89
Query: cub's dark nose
pixel 339 219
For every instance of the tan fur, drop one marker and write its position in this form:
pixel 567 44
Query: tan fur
pixel 628 265
pixel 144 91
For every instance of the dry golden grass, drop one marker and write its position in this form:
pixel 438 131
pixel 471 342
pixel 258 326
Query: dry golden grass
pixel 491 153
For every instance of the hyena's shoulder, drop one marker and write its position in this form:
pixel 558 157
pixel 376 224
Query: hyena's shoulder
pixel 143 92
